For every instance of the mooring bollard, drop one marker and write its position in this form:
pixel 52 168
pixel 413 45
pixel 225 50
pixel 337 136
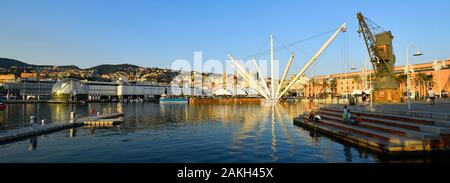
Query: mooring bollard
pixel 43 122
pixel 33 122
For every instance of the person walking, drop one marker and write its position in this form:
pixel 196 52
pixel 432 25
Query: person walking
pixel 431 95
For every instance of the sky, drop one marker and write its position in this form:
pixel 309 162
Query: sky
pixel 155 33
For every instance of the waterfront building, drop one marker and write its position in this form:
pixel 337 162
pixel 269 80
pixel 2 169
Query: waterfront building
pixel 29 75
pixel 27 89
pixel 69 90
pixel 4 78
pixel 341 84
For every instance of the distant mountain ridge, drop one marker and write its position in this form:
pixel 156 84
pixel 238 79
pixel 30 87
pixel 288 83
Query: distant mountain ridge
pixel 7 63
pixel 101 69
pixel 109 68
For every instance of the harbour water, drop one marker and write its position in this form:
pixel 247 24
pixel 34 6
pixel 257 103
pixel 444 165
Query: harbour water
pixel 175 133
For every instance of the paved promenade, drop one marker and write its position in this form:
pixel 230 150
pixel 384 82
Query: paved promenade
pixel 440 110
pixel 439 106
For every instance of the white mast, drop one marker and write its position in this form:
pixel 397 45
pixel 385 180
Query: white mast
pixel 272 74
pixel 286 70
pixel 342 28
pixel 262 80
pixel 241 71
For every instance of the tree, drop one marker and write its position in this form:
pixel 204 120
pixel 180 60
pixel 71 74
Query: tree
pixel 422 82
pixel 401 78
pixel 333 85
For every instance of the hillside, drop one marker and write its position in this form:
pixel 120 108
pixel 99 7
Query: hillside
pixel 7 63
pixel 108 68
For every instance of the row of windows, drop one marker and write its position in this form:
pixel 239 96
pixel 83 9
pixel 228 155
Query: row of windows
pixel 342 83
pixel 342 88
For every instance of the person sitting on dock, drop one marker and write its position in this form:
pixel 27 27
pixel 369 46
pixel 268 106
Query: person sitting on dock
pixel 358 119
pixel 317 118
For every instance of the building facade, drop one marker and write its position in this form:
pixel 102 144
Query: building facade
pixel 423 77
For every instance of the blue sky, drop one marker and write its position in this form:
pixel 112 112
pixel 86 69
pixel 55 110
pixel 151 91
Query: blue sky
pixel 154 33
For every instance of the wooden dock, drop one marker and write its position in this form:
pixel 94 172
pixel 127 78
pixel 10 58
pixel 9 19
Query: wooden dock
pixel 383 133
pixel 103 122
pixel 37 130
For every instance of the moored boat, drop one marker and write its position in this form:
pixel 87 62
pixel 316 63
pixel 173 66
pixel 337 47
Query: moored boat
pixel 173 100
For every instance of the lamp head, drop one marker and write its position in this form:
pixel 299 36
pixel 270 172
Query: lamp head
pixel 418 53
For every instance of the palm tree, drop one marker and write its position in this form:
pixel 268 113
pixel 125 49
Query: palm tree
pixel 423 81
pixel 401 78
pixel 333 85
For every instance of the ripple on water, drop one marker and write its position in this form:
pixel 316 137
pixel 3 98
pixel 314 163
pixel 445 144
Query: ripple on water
pixel 180 133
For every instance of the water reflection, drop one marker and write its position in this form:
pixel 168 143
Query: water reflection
pixel 314 136
pixel 72 132
pixel 348 153
pixel 363 154
pixel 274 136
pixel 180 133
pixel 33 144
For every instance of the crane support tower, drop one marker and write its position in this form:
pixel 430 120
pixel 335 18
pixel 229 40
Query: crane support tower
pixel 380 49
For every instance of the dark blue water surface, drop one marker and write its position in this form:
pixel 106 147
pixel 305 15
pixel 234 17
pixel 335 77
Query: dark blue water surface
pixel 175 133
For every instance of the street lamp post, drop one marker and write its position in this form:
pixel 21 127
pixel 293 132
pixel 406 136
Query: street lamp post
pixel 418 53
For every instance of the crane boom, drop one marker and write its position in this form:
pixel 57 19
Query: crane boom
pixel 380 49
pixel 369 39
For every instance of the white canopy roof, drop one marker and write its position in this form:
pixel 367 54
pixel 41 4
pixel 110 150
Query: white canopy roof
pixel 356 92
pixel 252 91
pixel 221 92
pixel 240 91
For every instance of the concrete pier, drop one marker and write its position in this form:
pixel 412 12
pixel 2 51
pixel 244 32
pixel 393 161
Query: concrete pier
pixel 388 134
pixel 37 130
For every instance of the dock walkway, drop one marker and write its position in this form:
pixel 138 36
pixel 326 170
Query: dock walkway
pixel 36 130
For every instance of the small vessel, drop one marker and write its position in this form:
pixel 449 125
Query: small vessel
pixel 2 106
pixel 173 100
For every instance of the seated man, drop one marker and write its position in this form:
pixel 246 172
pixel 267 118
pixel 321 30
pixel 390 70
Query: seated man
pixel 358 119
pixel 317 118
